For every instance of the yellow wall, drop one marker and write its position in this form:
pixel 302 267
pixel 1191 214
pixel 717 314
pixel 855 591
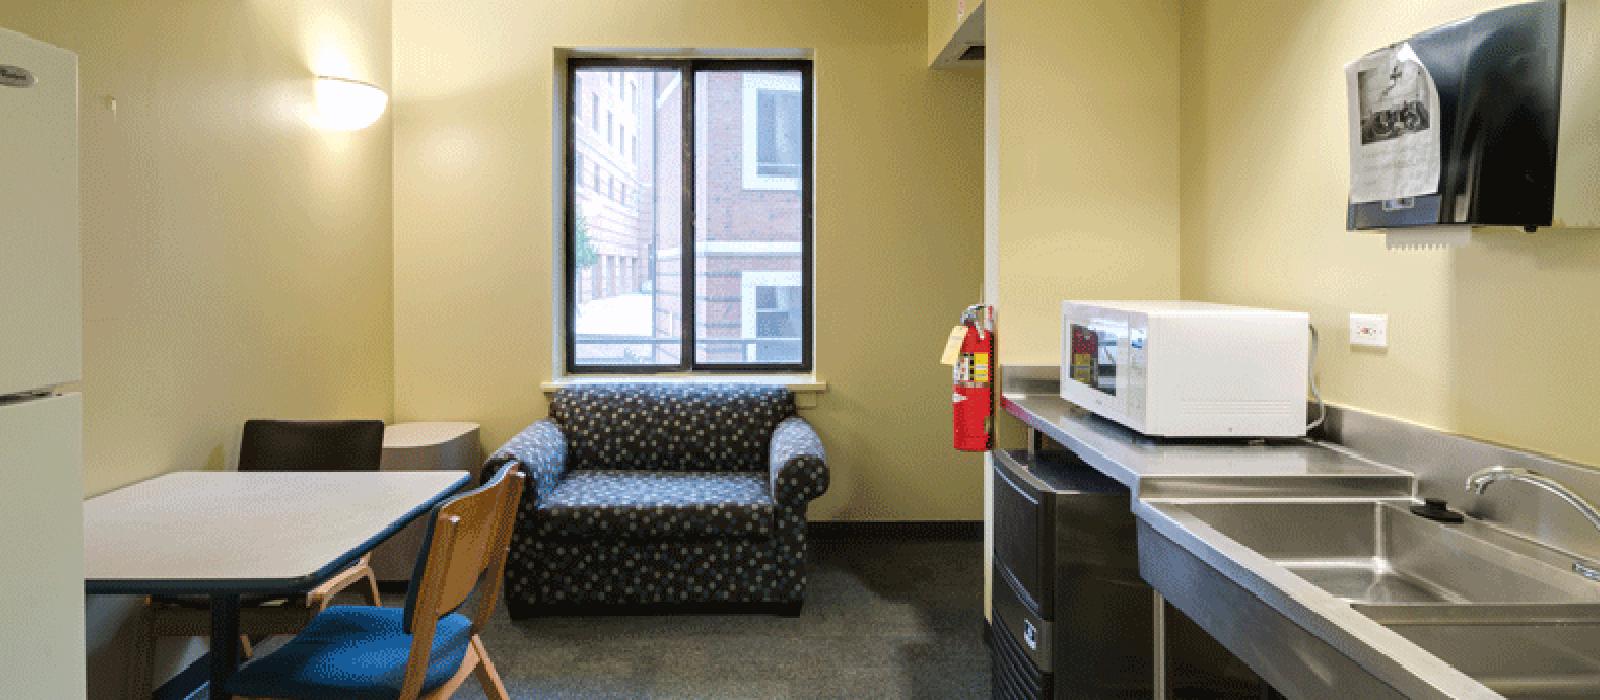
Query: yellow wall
pixel 237 262
pixel 1496 340
pixel 1087 170
pixel 898 228
pixel 1080 169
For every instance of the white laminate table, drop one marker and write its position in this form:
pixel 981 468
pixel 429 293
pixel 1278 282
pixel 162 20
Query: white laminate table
pixel 223 534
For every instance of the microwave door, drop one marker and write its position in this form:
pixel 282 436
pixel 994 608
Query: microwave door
pixel 1106 374
pixel 1096 347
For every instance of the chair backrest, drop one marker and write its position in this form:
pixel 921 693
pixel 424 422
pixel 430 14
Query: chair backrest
pixel 468 537
pixel 311 445
pixel 670 427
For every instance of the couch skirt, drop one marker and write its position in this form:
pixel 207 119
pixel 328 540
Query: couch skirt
pixel 553 577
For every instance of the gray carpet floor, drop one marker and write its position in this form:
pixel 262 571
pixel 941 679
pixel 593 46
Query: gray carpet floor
pixel 882 620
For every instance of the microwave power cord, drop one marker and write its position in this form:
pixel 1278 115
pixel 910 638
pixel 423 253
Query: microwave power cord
pixel 1316 391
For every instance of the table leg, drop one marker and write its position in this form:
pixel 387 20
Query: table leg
pixel 1158 654
pixel 224 642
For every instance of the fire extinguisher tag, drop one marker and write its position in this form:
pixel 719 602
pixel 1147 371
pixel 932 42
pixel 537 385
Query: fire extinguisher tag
pixel 952 345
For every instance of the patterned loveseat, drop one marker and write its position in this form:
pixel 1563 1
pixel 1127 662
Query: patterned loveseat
pixel 660 497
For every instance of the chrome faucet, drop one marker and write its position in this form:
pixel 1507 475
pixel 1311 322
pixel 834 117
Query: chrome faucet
pixel 1479 482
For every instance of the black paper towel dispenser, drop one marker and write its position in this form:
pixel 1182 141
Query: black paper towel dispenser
pixel 1463 124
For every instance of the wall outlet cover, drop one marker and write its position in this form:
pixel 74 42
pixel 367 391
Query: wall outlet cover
pixel 1369 330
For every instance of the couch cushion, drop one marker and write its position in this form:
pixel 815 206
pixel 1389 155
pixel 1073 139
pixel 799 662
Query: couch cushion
pixel 637 505
pixel 678 427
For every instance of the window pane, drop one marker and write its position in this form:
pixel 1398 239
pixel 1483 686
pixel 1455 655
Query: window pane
pixel 627 260
pixel 747 217
pixel 778 137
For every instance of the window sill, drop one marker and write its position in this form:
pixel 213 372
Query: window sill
pixel 806 387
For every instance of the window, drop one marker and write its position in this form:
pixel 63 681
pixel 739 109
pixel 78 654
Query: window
pixel 770 310
pixel 697 254
pixel 771 153
pixel 594 111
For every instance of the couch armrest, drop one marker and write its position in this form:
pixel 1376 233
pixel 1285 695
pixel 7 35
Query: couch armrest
pixel 541 448
pixel 799 467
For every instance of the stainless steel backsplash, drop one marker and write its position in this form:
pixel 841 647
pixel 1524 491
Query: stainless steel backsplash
pixel 1441 463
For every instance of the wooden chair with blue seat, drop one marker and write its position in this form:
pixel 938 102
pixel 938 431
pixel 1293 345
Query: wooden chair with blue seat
pixel 273 446
pixel 426 650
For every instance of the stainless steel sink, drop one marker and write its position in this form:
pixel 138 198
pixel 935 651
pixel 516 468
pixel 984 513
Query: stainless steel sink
pixel 1509 613
pixel 1385 560
pixel 1517 659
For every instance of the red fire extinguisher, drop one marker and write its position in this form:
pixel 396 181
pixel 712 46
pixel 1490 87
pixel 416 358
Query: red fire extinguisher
pixel 974 380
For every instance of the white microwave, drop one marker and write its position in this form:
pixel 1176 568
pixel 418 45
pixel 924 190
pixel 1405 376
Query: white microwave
pixel 1186 368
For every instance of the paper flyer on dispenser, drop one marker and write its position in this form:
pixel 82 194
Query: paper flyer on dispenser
pixel 1394 136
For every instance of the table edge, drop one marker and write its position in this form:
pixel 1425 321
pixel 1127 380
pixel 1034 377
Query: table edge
pixel 292 584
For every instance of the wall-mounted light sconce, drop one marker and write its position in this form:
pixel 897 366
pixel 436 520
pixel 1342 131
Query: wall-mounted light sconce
pixel 348 105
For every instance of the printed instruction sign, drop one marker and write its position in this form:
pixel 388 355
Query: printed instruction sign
pixel 1394 134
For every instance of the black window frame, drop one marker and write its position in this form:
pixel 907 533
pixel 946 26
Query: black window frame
pixel 687 70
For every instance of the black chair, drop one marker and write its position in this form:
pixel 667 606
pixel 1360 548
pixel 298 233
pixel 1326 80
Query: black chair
pixel 311 445
pixel 281 446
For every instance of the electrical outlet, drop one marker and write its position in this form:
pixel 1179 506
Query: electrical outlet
pixel 1369 330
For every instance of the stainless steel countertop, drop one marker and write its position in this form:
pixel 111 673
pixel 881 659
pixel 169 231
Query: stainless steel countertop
pixel 1166 468
pixel 1163 474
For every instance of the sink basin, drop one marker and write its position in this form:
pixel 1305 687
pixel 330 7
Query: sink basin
pixel 1388 562
pixel 1521 660
pixel 1510 613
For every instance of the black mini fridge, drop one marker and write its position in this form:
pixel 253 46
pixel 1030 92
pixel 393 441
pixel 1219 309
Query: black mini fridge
pixel 1071 617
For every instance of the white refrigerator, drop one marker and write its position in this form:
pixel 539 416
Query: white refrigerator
pixel 41 338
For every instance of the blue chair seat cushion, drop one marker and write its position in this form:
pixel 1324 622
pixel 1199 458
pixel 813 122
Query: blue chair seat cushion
pixel 590 505
pixel 352 652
